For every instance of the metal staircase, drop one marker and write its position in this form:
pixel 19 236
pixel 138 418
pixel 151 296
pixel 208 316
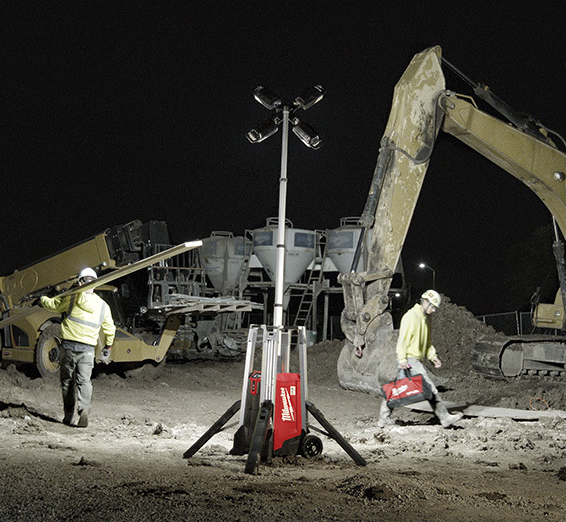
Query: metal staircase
pixel 310 290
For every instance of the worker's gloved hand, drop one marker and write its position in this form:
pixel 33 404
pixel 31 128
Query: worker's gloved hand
pixel 105 355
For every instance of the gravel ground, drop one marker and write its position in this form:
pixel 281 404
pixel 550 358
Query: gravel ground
pixel 128 464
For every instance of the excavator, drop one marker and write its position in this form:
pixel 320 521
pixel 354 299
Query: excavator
pixel 422 107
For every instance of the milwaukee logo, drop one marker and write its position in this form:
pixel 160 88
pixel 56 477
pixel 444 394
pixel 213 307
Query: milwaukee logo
pixel 399 391
pixel 403 390
pixel 287 410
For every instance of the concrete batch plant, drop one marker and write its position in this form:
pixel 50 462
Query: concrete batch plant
pixel 244 267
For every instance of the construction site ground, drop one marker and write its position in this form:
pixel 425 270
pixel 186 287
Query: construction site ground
pixel 128 464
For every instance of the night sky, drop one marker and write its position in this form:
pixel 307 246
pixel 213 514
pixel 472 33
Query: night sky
pixel 122 110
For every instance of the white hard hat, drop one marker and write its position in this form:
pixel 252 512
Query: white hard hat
pixel 433 297
pixel 87 272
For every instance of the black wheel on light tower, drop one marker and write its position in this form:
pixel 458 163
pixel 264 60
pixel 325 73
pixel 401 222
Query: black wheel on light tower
pixel 47 351
pixel 311 446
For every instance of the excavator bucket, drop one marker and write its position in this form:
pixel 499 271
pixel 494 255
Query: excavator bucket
pixel 377 366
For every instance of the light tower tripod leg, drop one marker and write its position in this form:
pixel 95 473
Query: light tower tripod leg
pixel 346 446
pixel 213 430
pixel 259 437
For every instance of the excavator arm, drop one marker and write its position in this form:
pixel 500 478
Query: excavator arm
pixel 542 167
pixel 421 107
pixel 368 358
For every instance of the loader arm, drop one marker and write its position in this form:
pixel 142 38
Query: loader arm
pixel 39 330
pixel 19 312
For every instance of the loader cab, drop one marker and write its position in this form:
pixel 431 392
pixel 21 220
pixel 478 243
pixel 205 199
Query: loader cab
pixel 111 295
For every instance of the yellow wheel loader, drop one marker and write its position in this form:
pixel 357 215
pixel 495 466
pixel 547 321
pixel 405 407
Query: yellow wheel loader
pixel 29 334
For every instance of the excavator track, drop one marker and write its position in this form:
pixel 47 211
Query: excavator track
pixel 515 356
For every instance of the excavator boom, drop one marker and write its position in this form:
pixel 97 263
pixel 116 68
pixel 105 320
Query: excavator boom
pixel 539 165
pixel 368 357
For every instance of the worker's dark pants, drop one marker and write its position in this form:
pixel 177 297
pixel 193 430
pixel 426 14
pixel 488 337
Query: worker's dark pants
pixel 76 371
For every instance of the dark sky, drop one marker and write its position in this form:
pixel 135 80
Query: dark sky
pixel 115 111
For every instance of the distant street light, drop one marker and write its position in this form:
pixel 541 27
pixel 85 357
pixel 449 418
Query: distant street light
pixel 424 265
pixel 309 137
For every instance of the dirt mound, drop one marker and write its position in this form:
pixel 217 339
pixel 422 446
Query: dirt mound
pixel 322 362
pixel 455 330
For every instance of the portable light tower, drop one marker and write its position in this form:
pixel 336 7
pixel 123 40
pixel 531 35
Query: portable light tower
pixel 279 389
pixel 274 403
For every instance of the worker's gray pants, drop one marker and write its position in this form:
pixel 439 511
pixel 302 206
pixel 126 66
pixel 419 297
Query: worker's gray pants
pixel 418 367
pixel 76 371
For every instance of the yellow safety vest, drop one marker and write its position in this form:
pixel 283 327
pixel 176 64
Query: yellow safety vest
pixel 85 314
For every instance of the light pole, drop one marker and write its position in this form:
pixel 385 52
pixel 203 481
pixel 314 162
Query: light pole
pixel 424 265
pixel 310 138
pixel 276 342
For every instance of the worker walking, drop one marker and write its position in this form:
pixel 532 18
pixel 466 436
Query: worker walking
pixel 85 314
pixel 413 347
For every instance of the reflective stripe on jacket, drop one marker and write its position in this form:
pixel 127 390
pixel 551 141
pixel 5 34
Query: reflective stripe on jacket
pixel 414 336
pixel 85 315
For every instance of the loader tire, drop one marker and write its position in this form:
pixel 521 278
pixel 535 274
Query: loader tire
pixel 47 351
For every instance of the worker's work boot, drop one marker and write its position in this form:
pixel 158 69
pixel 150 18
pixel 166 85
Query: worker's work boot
pixel 68 419
pixel 385 415
pixel 446 419
pixel 83 419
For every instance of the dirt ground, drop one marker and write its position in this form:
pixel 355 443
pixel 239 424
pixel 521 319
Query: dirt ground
pixel 128 464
